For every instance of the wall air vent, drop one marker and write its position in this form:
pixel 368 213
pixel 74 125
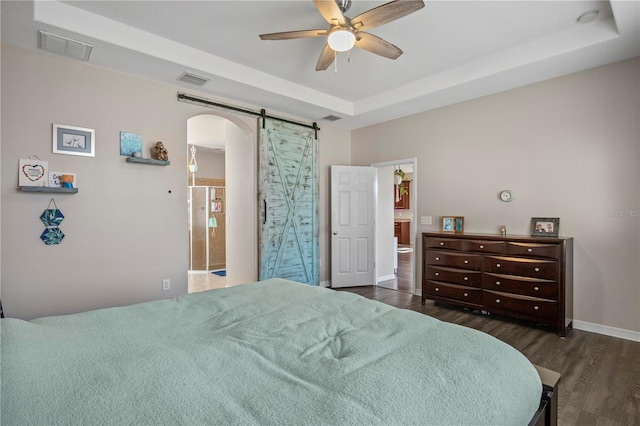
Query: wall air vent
pixel 331 118
pixel 196 80
pixel 64 46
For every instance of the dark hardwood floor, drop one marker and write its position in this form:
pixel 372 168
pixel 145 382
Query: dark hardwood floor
pixel 600 382
pixel 404 276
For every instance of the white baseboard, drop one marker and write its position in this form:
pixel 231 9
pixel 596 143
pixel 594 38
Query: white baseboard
pixel 325 284
pixel 607 330
pixel 385 278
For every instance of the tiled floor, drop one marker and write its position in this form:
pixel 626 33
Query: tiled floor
pixel 203 280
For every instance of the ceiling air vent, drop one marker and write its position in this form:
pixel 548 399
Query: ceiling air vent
pixel 194 79
pixel 332 118
pixel 64 46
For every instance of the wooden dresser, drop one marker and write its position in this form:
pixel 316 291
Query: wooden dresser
pixel 529 278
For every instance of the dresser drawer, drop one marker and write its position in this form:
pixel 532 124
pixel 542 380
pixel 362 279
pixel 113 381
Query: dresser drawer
pixel 550 251
pixel 443 243
pixel 453 275
pixel 493 247
pixel 467 261
pixel 455 292
pixel 527 306
pixel 534 287
pixel 534 268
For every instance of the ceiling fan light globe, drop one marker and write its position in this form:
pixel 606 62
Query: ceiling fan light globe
pixel 341 40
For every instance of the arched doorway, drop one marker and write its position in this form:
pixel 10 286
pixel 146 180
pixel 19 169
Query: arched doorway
pixel 232 203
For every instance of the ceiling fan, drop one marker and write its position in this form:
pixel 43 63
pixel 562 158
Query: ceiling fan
pixel 344 32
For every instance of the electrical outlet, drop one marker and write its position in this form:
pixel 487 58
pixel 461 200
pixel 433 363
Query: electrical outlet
pixel 425 220
pixel 166 284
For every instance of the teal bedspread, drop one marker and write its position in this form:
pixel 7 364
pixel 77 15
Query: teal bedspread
pixel 274 352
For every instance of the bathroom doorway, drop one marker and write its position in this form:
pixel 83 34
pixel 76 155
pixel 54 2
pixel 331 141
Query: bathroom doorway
pixel 221 202
pixel 396 224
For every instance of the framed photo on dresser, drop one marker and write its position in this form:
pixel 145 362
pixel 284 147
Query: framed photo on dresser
pixel 545 226
pixel 453 224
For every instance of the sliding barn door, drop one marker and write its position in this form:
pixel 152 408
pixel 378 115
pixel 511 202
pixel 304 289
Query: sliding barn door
pixel 288 189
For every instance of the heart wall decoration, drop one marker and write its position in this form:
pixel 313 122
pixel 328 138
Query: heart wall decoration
pixel 33 172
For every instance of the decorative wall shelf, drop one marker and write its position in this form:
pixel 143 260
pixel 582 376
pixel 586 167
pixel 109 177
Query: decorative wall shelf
pixel 148 161
pixel 48 189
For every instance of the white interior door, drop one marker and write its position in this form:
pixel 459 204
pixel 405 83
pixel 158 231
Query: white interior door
pixel 353 235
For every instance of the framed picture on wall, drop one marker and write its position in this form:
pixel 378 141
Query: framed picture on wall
pixel 72 140
pixel 545 226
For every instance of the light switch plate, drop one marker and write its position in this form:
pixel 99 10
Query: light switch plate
pixel 426 220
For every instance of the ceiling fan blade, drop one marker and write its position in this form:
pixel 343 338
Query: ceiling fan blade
pixel 376 45
pixel 386 13
pixel 288 35
pixel 330 11
pixel 326 58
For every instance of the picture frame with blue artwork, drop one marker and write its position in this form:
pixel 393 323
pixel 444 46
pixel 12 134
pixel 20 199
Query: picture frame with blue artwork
pixel 458 224
pixel 453 224
pixel 130 143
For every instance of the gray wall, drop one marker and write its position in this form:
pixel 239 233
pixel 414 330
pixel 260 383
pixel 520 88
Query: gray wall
pixel 124 231
pixel 568 148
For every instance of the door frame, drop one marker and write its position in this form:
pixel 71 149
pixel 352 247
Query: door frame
pixel 413 200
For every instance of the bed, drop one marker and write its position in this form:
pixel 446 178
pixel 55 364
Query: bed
pixel 271 352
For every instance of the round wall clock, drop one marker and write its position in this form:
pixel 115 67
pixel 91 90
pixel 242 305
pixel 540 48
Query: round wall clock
pixel 506 196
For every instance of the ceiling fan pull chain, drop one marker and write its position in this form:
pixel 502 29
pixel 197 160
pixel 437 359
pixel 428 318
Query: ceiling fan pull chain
pixel 335 61
pixel 348 55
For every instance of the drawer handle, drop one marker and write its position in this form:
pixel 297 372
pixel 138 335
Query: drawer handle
pixel 466 261
pixel 437 258
pixel 497 265
pixel 437 274
pixel 530 250
pixel 497 300
pixel 535 308
pixel 466 278
pixel 437 289
pixel 481 246
pixel 497 282
pixel 466 294
pixel 536 288
pixel 536 269
pixel 441 243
